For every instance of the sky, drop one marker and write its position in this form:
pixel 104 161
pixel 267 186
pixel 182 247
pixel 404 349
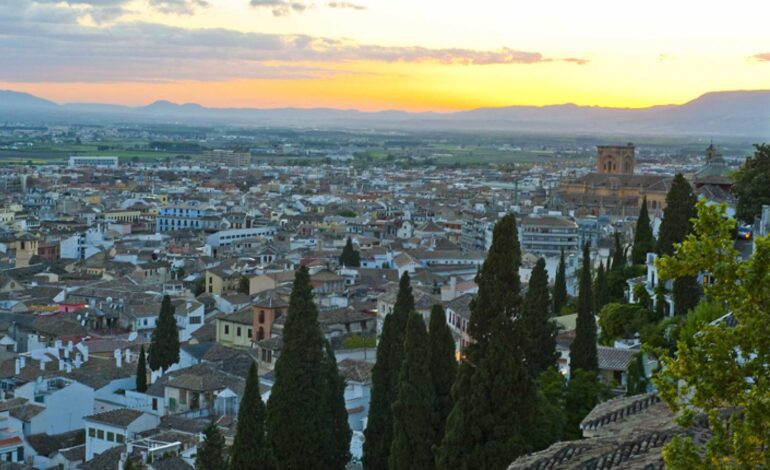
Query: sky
pixel 414 55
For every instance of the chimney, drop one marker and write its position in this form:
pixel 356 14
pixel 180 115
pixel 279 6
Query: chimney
pixel 118 357
pixel 128 355
pixel 17 369
pixel 453 287
pixel 57 345
pixel 69 346
pixel 66 353
pixel 22 361
pixel 61 364
pixel 78 361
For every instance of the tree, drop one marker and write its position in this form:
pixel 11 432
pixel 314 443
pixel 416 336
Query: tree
pixel 211 452
pixel 751 184
pixel 141 372
pixel 379 429
pixel 618 254
pixel 551 419
pixel 339 432
pixel 636 382
pixel 583 350
pixel 680 208
pixel 243 285
pixel 494 394
pixel 350 257
pixel 660 302
pixel 643 299
pixel 600 289
pixel 725 367
pixel 622 321
pixel 584 391
pixel 250 449
pixel 443 367
pixel 413 411
pixel 200 286
pixel 644 241
pixel 164 345
pixel 541 331
pixel 297 411
pixel 560 286
pixel 686 292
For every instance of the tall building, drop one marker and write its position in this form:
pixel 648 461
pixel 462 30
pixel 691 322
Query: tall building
pixel 548 235
pixel 616 159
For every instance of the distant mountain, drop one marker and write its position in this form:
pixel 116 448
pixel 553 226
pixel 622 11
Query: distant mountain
pixel 728 113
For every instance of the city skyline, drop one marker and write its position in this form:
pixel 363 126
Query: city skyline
pixel 379 55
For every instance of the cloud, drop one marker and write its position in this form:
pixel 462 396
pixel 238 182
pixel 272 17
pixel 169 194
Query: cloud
pixel 178 7
pixel 764 57
pixel 47 43
pixel 346 5
pixel 280 7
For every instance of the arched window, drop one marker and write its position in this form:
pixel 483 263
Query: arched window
pixel 260 334
pixel 261 316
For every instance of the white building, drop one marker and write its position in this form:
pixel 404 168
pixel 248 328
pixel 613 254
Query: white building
pixel 54 406
pixel 105 162
pixel 116 427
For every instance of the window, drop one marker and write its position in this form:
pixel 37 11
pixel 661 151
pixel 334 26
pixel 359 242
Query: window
pixel 227 329
pixel 262 316
pixel 250 332
pixel 120 438
pixel 195 320
pixel 260 334
pixel 238 331
pixel 155 404
pixel 91 432
pixel 111 436
pixel 183 397
pixel 20 454
pixel 100 434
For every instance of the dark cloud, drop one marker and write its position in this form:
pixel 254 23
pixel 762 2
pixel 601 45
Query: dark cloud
pixel 44 42
pixel 280 7
pixel 346 5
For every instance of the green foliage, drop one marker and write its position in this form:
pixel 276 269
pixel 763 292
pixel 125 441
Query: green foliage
pixel 541 331
pixel 680 208
pixel 643 299
pixel 644 241
pixel 141 372
pixel 660 302
pixel 660 338
pixel 297 411
pixel 704 313
pixel 617 278
pixel 200 286
pixel 751 184
pixel 379 429
pixel 584 391
pixel 243 285
pixel 560 286
pixel 164 345
pixel 356 341
pixel 347 213
pixel 583 350
pixel 621 321
pixel 551 420
pixel 413 411
pixel 600 289
pixel 211 452
pixel 618 254
pixel 686 292
pixel 443 367
pixel 723 367
pixel 636 381
pixel 350 257
pixel 249 447
pixel 494 394
pixel 338 433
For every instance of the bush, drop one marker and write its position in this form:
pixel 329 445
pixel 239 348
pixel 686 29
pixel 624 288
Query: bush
pixel 356 341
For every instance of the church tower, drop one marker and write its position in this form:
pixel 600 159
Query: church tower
pixel 616 159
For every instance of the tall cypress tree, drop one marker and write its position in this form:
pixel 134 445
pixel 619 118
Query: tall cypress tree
pixel 297 411
pixel 600 289
pixel 250 449
pixel 583 350
pixel 494 394
pixel 141 372
pixel 541 346
pixel 350 257
pixel 619 254
pixel 379 429
pixel 413 411
pixel 443 367
pixel 644 241
pixel 211 452
pixel 164 345
pixel 680 208
pixel 339 432
pixel 560 286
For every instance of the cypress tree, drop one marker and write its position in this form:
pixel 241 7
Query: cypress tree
pixel 211 452
pixel 541 346
pixel 164 345
pixel 141 372
pixel 243 285
pixel 494 394
pixel 619 254
pixel 680 208
pixel 297 411
pixel 551 418
pixel 413 411
pixel 600 289
pixel 350 257
pixel 644 242
pixel 379 429
pixel 637 380
pixel 660 303
pixel 583 350
pixel 249 447
pixel 584 390
pixel 339 432
pixel 686 293
pixel 443 367
pixel 560 286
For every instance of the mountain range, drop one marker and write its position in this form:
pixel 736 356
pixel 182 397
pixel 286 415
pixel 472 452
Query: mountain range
pixel 726 113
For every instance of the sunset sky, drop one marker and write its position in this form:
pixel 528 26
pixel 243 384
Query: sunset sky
pixel 382 54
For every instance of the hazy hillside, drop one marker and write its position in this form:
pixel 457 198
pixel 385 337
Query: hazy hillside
pixel 736 113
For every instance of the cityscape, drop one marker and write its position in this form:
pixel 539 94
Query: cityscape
pixel 233 237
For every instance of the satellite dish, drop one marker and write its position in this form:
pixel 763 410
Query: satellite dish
pixel 132 336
